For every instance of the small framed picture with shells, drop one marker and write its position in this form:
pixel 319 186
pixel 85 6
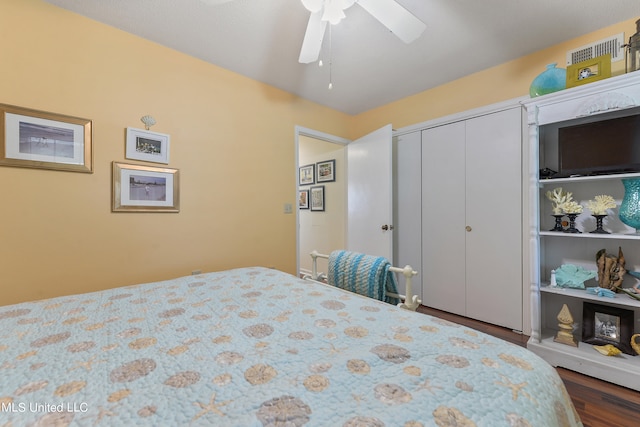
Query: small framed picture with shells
pixel 147 146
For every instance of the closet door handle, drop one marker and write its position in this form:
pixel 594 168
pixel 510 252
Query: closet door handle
pixel 387 227
pixel 468 228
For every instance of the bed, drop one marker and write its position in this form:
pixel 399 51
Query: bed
pixel 259 347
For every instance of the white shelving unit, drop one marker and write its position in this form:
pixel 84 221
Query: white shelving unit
pixel 547 250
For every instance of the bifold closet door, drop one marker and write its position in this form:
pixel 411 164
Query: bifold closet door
pixel 407 216
pixel 443 218
pixel 494 217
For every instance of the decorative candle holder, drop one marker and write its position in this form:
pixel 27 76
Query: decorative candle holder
pixel 558 225
pixel 572 223
pixel 599 229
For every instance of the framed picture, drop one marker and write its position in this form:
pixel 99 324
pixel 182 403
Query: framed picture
pixel 303 199
pixel 326 171
pixel 602 324
pixel 37 139
pixel 589 71
pixel 306 175
pixel 138 188
pixel 147 146
pixel 316 196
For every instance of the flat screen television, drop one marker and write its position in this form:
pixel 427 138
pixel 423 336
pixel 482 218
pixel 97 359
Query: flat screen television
pixel 603 147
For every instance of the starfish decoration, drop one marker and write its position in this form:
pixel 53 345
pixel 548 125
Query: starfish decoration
pixel 86 365
pixel 426 385
pixel 211 407
pixel 516 389
pixel 359 398
pixel 102 413
pixel 334 350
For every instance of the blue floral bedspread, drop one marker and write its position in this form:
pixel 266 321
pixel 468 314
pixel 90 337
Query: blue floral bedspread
pixel 258 347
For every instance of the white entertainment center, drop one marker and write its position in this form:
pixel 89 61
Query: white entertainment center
pixel 548 250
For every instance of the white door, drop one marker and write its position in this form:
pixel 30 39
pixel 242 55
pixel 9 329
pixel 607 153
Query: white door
pixel 494 215
pixel 369 194
pixel 443 218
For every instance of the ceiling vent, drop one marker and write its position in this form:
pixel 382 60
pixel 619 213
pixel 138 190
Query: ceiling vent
pixel 612 45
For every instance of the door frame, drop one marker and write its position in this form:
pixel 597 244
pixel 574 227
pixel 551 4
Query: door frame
pixel 311 133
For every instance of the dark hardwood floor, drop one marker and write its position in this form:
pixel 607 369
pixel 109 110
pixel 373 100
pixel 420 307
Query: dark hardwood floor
pixel 599 403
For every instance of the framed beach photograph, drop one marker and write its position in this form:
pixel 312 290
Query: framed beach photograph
pixel 147 146
pixel 326 171
pixel 138 188
pixel 589 71
pixel 306 175
pixel 316 198
pixel 42 140
pixel 303 199
pixel 602 324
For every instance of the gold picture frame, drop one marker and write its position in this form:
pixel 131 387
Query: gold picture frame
pixel 138 188
pixel 42 140
pixel 589 71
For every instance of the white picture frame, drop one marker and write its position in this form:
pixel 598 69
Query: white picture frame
pixel 147 146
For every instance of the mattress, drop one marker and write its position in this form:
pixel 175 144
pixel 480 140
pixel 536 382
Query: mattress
pixel 259 347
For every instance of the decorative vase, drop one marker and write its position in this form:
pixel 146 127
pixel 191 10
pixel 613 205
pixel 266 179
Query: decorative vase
pixel 558 225
pixel 629 212
pixel 551 80
pixel 572 223
pixel 599 229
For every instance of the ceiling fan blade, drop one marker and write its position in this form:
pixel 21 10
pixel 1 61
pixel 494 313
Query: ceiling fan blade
pixel 312 42
pixel 396 18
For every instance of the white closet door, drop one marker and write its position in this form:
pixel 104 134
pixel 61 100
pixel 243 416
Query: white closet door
pixel 407 248
pixel 443 218
pixel 494 215
pixel 370 194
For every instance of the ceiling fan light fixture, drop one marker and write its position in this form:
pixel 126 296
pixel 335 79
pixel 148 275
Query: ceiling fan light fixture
pixel 332 10
pixel 313 6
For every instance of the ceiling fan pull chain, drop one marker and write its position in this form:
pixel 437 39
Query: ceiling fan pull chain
pixel 330 58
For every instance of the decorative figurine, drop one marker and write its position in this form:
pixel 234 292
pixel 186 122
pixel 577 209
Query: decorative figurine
pixel 564 335
pixel 634 344
pixel 611 269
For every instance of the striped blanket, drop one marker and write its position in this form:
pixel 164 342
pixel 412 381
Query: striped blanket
pixel 363 274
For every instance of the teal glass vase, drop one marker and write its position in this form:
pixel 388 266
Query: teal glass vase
pixel 629 212
pixel 551 80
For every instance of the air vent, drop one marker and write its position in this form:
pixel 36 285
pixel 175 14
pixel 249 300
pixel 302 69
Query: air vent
pixel 612 45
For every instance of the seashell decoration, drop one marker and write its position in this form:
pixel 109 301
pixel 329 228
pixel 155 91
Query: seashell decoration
pixel 148 121
pixel 607 350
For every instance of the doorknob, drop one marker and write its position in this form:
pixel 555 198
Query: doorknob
pixel 468 228
pixel 387 227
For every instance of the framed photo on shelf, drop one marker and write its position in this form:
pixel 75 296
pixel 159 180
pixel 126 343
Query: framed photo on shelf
pixel 303 199
pixel 147 146
pixel 138 188
pixel 316 196
pixel 326 171
pixel 602 324
pixel 306 175
pixel 42 140
pixel 589 71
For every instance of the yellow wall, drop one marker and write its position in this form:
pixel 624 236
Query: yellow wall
pixel 231 138
pixel 500 83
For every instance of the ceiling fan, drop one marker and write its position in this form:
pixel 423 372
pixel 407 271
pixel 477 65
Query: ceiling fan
pixel 391 14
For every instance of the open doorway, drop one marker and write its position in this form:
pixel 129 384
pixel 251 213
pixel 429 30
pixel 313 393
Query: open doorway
pixel 321 227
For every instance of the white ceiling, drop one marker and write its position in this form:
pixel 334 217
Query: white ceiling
pixel 261 39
